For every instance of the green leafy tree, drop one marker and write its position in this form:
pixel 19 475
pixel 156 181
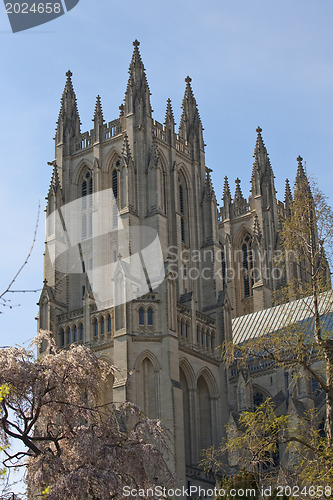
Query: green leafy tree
pixel 308 234
pixel 235 486
pixel 305 350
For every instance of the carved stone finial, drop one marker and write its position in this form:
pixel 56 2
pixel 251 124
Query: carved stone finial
pixel 188 79
pixel 136 43
pixel 69 74
pixel 237 181
pixel 226 189
pixel 258 130
pixel 299 159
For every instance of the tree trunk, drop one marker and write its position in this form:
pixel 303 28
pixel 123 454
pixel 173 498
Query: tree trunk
pixel 329 396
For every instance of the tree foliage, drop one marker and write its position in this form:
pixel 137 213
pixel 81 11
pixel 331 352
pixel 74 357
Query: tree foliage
pixel 304 350
pixel 74 446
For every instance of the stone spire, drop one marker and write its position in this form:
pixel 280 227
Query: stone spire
pixel 137 90
pixel 301 181
pixel 68 120
pixel 98 121
pixel 238 192
pixel 190 121
pixel 301 175
pixel 288 197
pixel 262 170
pixel 239 200
pixel 169 118
pixel 226 190
pixel 226 198
pixel 98 114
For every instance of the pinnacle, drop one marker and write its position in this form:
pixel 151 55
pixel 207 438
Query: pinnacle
pixel 300 169
pixel 69 84
pixel 259 143
pixel 287 194
pixel 188 90
pixel 301 177
pixel 169 118
pixel 136 62
pixel 68 99
pixel 238 191
pixel 261 157
pixel 98 109
pixel 137 85
pixel 209 190
pixel 190 112
pixel 226 189
pixel 137 81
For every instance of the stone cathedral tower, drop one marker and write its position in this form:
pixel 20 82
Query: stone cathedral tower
pixel 163 341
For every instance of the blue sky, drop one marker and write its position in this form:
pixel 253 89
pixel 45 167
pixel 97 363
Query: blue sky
pixel 252 63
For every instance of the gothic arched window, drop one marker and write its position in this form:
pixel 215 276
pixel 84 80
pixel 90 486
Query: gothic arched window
pixel 84 226
pixel 115 183
pixel 102 326
pixel 223 265
pixel 114 215
pixel 205 414
pixel 109 324
pixel 96 328
pixel 115 190
pixel 247 266
pixel 81 332
pixel 188 431
pixel 141 316
pixel 258 399
pixel 86 189
pixel 84 194
pixel 75 333
pixel 148 388
pixel 68 335
pixel 182 212
pixel 181 199
pixel 150 316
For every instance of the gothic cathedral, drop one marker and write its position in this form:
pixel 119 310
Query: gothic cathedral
pixel 164 340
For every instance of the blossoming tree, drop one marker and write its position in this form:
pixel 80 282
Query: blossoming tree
pixel 74 445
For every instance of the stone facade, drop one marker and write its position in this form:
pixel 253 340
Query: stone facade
pixel 165 341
